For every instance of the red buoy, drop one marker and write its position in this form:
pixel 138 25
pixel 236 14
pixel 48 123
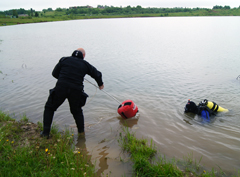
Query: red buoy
pixel 127 109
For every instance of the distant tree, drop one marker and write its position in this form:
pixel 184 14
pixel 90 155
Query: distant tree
pixel 50 9
pixel 59 9
pixel 227 7
pixel 109 10
pixel 31 12
pixel 36 14
pixel 81 11
pixel 128 9
pixel 15 14
pixel 139 9
pixel 221 7
pixel 72 11
pixel 21 11
pixel 94 10
pixel 100 6
pixel 187 9
pixel 217 7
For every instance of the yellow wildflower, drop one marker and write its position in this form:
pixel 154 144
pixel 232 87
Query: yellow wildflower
pixel 12 141
pixel 7 140
pixel 46 150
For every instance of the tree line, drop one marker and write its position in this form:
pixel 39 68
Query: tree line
pixel 111 10
pixel 15 12
pixel 108 10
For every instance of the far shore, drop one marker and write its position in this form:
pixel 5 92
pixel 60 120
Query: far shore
pixel 6 21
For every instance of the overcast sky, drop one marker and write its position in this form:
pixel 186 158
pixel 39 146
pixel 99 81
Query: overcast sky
pixel 44 4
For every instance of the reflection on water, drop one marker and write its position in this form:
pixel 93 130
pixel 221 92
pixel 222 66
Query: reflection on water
pixel 128 122
pixel 105 151
pixel 193 117
pixel 159 66
pixel 102 160
pixel 103 165
pixel 81 142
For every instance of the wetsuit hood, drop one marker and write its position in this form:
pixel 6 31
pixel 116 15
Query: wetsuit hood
pixel 191 107
pixel 77 54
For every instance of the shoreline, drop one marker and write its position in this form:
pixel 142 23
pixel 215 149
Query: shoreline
pixel 21 141
pixel 26 20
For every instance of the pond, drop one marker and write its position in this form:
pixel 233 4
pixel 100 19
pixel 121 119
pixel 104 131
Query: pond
pixel 159 63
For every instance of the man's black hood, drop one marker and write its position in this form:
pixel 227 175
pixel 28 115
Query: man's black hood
pixel 77 54
pixel 191 107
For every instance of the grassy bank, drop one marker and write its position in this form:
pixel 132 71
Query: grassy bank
pixel 24 153
pixel 62 16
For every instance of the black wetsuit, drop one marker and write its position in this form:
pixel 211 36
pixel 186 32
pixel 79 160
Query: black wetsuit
pixel 201 110
pixel 70 72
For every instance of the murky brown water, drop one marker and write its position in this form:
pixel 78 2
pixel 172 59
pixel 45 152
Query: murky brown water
pixel 159 63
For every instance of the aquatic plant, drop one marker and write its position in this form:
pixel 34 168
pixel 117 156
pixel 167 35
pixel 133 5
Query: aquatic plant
pixel 142 155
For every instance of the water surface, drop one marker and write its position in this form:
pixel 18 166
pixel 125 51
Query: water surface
pixel 159 63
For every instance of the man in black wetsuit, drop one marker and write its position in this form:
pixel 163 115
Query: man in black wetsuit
pixel 200 109
pixel 70 72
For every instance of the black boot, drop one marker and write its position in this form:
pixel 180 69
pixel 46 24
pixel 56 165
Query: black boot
pixel 45 132
pixel 42 134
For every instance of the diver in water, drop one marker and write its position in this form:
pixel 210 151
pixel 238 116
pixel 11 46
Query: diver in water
pixel 205 109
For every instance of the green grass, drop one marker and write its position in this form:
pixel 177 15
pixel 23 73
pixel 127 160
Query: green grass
pixel 5 117
pixel 142 154
pixel 23 154
pixel 148 163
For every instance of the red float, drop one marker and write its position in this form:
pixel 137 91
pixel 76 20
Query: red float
pixel 127 109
